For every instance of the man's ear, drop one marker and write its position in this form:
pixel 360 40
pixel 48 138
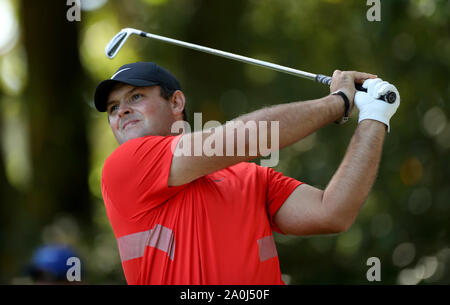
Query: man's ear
pixel 177 102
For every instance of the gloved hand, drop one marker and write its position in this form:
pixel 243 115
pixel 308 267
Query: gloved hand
pixel 370 107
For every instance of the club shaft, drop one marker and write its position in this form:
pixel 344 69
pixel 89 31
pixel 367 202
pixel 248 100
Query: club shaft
pixel 229 55
pixel 389 97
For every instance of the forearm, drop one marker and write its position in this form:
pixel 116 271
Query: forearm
pixel 350 185
pixel 295 121
pixel 298 119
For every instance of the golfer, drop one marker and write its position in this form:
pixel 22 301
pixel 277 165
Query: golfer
pixel 198 219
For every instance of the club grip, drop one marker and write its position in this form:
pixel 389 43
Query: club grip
pixel 320 78
pixel 390 97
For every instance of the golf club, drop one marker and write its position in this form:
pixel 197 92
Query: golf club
pixel 113 47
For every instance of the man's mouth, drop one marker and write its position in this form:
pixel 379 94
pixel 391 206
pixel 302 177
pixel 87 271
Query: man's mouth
pixel 130 122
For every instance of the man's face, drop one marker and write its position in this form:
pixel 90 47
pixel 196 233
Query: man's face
pixel 135 112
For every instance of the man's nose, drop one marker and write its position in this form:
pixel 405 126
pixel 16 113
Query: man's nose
pixel 125 109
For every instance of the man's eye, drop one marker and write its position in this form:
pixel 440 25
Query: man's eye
pixel 137 96
pixel 113 108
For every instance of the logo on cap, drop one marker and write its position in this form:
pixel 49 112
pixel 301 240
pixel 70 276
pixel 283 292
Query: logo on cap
pixel 115 74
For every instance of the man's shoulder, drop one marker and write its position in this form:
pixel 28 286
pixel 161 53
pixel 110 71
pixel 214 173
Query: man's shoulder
pixel 131 147
pixel 130 154
pixel 136 142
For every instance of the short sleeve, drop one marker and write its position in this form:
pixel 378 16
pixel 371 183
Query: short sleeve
pixel 135 175
pixel 279 187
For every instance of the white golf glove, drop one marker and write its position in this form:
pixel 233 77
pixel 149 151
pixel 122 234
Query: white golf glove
pixel 370 107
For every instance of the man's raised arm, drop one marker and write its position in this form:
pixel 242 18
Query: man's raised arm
pixel 296 120
pixel 308 210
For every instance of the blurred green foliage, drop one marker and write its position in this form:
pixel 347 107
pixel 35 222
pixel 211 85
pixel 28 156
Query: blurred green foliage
pixel 405 221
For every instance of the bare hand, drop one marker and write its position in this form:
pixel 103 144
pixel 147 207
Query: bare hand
pixel 345 81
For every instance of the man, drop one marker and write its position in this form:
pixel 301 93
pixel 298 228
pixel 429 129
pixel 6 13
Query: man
pixel 186 219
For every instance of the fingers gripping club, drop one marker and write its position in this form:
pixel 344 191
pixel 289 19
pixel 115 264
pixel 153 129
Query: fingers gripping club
pixel 389 97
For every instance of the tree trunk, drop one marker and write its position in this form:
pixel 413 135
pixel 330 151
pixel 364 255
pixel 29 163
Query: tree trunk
pixel 57 116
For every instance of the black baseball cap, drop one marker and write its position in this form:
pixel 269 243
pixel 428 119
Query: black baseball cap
pixel 139 74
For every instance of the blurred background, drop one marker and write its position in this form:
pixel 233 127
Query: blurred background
pixel 53 142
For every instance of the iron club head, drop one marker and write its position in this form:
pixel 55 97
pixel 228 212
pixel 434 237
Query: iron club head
pixel 113 47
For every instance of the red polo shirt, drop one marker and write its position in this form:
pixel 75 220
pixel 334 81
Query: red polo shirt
pixel 216 229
